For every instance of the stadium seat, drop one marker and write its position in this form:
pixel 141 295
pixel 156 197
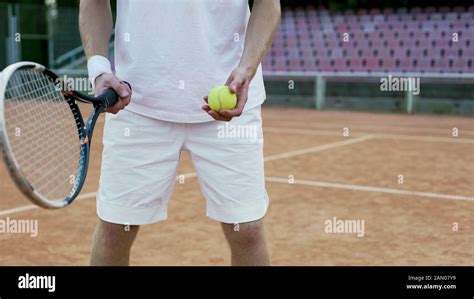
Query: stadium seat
pixel 418 40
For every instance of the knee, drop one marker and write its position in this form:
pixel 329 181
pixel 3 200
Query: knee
pixel 111 233
pixel 246 236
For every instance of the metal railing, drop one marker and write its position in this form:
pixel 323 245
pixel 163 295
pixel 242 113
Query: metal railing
pixel 320 79
pixel 75 57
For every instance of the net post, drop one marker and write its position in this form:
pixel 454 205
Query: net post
pixel 320 92
pixel 410 97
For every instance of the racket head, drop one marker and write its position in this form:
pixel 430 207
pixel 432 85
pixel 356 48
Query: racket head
pixel 42 136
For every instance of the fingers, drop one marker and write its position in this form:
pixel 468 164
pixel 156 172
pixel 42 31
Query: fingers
pixel 214 114
pixel 206 108
pixel 238 83
pixel 122 89
pixel 218 116
pixel 128 90
pixel 124 92
pixel 242 95
pixel 228 114
pixel 116 108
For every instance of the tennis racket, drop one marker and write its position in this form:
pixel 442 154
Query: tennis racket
pixel 43 137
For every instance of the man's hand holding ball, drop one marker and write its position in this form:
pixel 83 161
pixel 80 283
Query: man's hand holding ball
pixel 228 101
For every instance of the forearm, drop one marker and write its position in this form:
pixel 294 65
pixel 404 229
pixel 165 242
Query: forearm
pixel 95 25
pixel 261 30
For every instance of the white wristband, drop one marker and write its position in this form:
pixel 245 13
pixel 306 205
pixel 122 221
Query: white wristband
pixel 96 66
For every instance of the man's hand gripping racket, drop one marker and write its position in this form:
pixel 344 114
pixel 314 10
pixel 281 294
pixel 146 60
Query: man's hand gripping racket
pixel 44 139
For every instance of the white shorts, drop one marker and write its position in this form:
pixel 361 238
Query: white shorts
pixel 140 161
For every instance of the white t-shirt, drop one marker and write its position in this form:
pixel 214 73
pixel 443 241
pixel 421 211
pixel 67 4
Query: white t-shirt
pixel 173 52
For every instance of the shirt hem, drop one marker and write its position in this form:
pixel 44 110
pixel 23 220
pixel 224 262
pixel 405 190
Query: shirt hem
pixel 186 118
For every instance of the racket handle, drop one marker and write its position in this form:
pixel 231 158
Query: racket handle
pixel 108 98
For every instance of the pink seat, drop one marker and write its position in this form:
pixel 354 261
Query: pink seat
pixel 384 52
pixel 323 65
pixel 373 64
pixel 428 25
pixel 340 65
pixel 443 26
pixel 417 52
pixel 451 53
pixel 423 64
pixel 422 17
pixel 332 43
pixel 408 43
pixel 342 28
pixel 313 40
pixel 441 65
pixel 388 64
pixel 404 34
pixel 452 16
pixel 459 64
pixel 424 43
pixel 357 65
pixel 443 42
pixel 459 25
pixel 376 43
pixel 468 54
pixel 436 17
pixel 466 16
pixel 399 53
pixel 280 65
pixel 336 53
pixel 366 18
pixel 412 25
pixel 392 43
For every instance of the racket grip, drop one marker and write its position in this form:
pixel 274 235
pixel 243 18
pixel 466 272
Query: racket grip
pixel 108 98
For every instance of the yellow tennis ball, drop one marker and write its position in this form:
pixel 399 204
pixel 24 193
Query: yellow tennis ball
pixel 221 98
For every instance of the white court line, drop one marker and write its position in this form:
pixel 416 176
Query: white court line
pixel 369 189
pixel 425 138
pixel 32 207
pixel 318 148
pixel 297 182
pixel 375 128
pixel 303 131
pixel 383 136
pixel 193 174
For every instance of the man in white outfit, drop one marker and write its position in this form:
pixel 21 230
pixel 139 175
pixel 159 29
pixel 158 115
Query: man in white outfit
pixel 173 53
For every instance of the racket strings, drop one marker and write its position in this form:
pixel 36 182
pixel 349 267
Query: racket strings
pixel 45 179
pixel 43 133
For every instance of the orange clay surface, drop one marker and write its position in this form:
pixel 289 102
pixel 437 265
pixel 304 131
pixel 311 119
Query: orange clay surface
pixel 314 173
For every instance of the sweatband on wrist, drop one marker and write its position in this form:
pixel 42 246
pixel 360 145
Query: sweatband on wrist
pixel 96 66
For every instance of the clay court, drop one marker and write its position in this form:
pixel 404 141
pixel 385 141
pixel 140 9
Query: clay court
pixel 314 173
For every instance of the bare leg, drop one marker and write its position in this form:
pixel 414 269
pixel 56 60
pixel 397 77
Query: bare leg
pixel 112 244
pixel 248 244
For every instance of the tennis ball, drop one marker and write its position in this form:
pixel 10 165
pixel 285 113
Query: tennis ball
pixel 221 97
